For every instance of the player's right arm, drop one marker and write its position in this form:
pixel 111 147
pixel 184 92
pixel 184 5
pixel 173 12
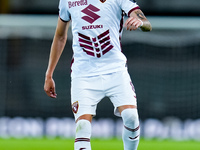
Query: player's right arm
pixel 137 19
pixel 57 47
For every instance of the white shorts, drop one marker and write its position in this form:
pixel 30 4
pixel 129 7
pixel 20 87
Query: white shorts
pixel 87 92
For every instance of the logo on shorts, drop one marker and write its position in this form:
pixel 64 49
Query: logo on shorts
pixel 75 107
pixel 91 15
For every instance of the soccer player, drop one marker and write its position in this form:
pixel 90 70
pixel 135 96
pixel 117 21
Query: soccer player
pixel 98 65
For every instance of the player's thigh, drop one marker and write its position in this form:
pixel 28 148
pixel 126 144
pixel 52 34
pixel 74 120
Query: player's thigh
pixel 121 108
pixel 122 92
pixel 85 95
pixel 85 117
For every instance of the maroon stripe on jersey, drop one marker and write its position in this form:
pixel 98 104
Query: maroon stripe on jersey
pixel 84 41
pixel 105 39
pixel 86 46
pixel 96 44
pixel 105 44
pixel 94 39
pixel 98 55
pixel 82 140
pixel 132 130
pixel 103 34
pixel 107 49
pixel 97 49
pixel 84 36
pixel 88 52
pixel 133 10
pixel 72 63
pixel 120 42
pixel 121 22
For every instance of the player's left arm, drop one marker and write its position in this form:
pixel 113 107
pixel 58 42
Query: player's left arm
pixel 137 20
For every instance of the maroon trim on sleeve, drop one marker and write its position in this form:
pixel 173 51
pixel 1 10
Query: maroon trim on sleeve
pixel 133 10
pixel 62 19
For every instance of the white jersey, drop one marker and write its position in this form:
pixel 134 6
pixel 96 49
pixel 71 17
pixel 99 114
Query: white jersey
pixel 96 28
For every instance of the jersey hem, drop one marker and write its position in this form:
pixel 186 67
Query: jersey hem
pixel 97 74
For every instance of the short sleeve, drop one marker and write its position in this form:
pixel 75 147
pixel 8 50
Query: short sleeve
pixel 128 6
pixel 63 10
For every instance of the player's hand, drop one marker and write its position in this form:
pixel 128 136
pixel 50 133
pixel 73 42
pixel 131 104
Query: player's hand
pixel 133 23
pixel 49 87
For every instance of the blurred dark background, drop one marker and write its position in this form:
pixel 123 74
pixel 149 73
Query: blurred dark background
pixel 164 64
pixel 150 7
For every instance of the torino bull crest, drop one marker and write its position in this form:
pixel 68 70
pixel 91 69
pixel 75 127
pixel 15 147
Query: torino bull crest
pixel 75 107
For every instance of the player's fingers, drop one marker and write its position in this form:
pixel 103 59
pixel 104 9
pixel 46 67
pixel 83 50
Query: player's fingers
pixel 49 88
pixel 131 24
pixel 131 27
pixel 53 93
pixel 47 92
pixel 127 21
pixel 139 23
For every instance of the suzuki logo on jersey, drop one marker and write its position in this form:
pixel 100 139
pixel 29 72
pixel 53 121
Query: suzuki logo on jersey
pixel 96 46
pixel 91 15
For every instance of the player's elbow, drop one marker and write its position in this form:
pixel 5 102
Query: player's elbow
pixel 61 35
pixel 61 38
